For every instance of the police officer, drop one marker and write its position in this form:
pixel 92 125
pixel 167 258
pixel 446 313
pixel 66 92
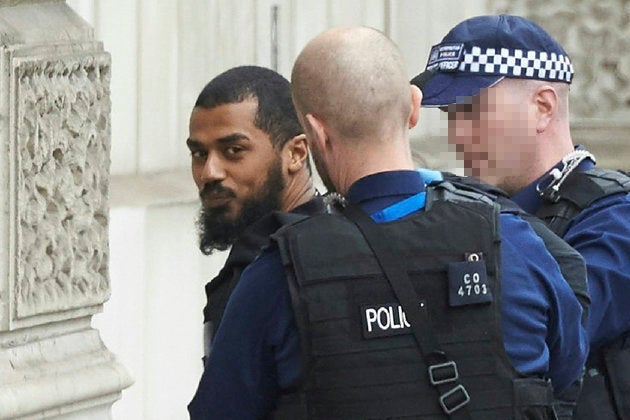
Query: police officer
pixel 505 82
pixel 413 301
pixel 249 158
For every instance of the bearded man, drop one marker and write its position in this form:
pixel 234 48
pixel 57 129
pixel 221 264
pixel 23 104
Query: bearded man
pixel 249 158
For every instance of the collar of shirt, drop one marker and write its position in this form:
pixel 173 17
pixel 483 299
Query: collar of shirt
pixel 378 191
pixel 530 200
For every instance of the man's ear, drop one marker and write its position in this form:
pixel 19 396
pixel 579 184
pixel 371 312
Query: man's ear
pixel 296 150
pixel 416 101
pixel 546 102
pixel 318 131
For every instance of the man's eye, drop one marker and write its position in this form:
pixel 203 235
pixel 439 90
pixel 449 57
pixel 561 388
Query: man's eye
pixel 233 150
pixel 198 154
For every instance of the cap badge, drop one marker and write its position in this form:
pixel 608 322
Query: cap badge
pixel 445 56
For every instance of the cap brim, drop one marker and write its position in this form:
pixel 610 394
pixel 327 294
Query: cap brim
pixel 442 89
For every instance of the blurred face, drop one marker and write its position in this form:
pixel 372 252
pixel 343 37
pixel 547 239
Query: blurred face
pixel 237 170
pixel 494 134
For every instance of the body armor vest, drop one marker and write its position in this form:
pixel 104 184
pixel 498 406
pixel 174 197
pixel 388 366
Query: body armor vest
pixel 579 191
pixel 606 390
pixel 571 263
pixel 360 359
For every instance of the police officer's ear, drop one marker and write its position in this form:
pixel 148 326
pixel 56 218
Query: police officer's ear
pixel 295 153
pixel 546 102
pixel 317 131
pixel 416 101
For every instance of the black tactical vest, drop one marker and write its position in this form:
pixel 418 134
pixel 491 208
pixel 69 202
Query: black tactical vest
pixel 360 359
pixel 606 389
pixel 571 263
pixel 579 191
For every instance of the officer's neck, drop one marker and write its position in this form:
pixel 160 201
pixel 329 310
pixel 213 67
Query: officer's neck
pixel 376 160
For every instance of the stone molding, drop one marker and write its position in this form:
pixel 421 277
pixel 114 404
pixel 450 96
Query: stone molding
pixel 55 141
pixel 62 167
pixel 54 87
pixel 56 371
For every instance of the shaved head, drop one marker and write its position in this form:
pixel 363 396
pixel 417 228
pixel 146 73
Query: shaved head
pixel 355 80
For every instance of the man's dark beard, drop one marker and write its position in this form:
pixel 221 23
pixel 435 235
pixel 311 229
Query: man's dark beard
pixel 218 231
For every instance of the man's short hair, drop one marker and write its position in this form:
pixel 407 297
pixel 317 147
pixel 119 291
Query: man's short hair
pixel 275 115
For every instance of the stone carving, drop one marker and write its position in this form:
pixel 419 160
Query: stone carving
pixel 61 181
pixel 596 36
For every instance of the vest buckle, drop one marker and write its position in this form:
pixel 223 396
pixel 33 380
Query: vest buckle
pixel 454 399
pixel 442 373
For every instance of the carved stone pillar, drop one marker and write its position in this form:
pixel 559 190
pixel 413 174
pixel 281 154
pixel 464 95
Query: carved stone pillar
pixel 54 179
pixel 596 36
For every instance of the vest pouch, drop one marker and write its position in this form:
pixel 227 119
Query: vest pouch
pixel 618 367
pixel 594 401
pixel 533 399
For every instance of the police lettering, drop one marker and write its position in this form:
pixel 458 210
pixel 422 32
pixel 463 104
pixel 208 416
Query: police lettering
pixel 449 65
pixel 384 320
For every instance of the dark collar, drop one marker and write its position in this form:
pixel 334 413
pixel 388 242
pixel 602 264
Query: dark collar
pixel 377 191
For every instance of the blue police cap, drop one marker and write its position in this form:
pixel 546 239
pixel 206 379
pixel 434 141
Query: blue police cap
pixel 479 52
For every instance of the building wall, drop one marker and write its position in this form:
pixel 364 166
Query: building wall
pixel 54 193
pixel 163 52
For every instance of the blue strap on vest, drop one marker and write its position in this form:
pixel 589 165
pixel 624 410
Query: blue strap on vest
pixel 409 205
pixel 401 208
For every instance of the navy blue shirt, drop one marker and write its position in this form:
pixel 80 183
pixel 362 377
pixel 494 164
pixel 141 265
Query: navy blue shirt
pixel 601 233
pixel 256 352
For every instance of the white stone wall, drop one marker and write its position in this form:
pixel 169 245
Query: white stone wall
pixel 62 182
pixel 163 52
pixel 54 189
pixel 153 318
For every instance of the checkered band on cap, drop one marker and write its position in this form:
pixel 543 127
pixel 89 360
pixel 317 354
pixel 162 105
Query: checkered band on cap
pixel 517 63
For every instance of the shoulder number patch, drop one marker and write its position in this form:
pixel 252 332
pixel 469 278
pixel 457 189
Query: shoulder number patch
pixel 468 283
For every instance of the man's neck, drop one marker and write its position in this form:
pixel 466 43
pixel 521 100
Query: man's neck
pixel 298 192
pixel 385 160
